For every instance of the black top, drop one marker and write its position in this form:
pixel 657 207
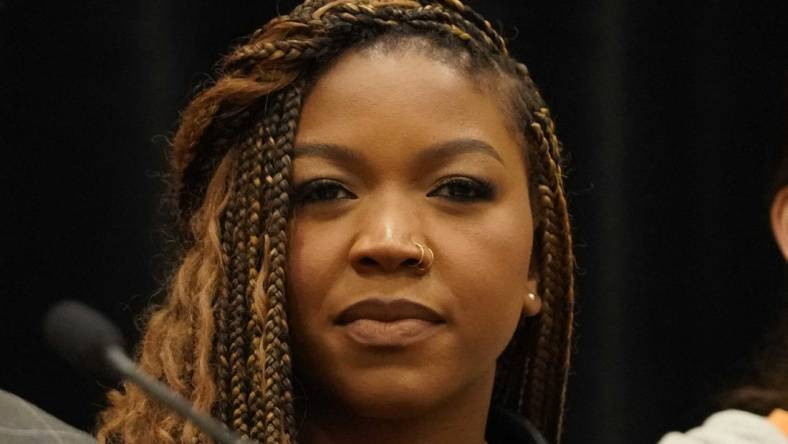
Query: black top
pixel 505 427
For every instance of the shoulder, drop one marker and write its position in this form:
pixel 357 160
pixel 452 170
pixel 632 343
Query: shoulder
pixel 730 427
pixel 21 423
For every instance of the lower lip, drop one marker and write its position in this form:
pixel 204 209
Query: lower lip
pixel 390 334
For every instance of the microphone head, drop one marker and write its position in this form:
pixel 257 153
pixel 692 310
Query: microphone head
pixel 81 335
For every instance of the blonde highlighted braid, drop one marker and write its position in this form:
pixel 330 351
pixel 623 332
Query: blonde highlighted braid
pixel 221 338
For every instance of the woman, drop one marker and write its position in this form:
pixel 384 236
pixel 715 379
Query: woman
pixel 378 245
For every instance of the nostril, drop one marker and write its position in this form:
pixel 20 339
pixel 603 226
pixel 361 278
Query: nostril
pixel 412 262
pixel 368 261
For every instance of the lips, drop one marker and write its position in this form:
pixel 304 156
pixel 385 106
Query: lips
pixel 388 311
pixel 389 324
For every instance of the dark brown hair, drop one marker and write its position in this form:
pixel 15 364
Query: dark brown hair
pixel 765 388
pixel 221 337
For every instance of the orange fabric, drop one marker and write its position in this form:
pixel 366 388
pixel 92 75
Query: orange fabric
pixel 779 417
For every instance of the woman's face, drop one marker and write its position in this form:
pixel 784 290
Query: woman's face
pixel 394 149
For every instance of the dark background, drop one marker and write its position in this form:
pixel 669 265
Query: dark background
pixel 671 112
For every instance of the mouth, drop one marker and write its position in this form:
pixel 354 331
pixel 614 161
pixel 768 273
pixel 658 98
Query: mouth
pixel 397 323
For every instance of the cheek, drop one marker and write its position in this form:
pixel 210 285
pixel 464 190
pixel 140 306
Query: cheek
pixel 311 270
pixel 487 266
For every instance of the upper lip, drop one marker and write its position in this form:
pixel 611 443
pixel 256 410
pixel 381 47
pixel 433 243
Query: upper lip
pixel 387 311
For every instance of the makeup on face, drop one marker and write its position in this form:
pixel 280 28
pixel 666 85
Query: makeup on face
pixel 377 322
pixel 393 151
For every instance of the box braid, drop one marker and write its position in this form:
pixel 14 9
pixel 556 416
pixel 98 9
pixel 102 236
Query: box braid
pixel 248 119
pixel 236 305
pixel 278 386
pixel 552 352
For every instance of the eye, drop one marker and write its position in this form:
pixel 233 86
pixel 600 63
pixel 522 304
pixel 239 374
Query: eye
pixel 464 189
pixel 321 190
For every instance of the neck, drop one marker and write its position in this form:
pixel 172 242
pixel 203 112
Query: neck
pixel 461 419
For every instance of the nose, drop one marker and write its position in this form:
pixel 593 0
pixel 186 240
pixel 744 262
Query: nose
pixel 386 239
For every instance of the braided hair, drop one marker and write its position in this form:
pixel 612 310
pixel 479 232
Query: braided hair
pixel 221 337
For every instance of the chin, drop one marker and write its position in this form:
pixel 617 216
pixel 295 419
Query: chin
pixel 389 405
pixel 391 394
pixel 383 385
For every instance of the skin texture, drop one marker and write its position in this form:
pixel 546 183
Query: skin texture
pixel 353 239
pixel 779 220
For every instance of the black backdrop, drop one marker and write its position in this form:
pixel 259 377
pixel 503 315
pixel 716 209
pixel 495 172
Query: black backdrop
pixel 671 112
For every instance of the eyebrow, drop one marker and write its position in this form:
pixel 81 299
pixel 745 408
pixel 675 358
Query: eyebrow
pixel 457 147
pixel 432 153
pixel 328 151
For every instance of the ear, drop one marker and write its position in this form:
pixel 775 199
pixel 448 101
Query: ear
pixel 532 303
pixel 779 220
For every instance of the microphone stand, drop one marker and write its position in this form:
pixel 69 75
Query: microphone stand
pixel 116 357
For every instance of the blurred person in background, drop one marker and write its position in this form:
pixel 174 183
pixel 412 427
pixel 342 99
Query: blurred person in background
pixel 756 411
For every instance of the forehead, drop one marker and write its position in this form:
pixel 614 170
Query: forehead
pixel 402 99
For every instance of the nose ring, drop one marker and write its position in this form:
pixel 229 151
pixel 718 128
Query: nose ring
pixel 426 258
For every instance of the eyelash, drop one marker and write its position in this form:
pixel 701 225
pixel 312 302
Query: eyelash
pixel 475 190
pixel 308 192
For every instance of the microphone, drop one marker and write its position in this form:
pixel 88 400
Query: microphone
pixel 88 340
